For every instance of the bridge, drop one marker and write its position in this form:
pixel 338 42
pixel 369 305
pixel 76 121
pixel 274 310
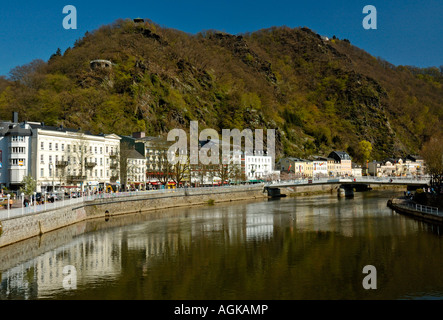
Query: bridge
pixel 348 184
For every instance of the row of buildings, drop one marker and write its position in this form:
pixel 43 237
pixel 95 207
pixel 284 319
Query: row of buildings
pixel 339 164
pixel 60 158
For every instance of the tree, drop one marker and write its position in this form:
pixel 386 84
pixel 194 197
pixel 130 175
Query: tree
pixel 432 153
pixel 26 74
pixel 78 164
pixel 181 170
pixel 364 150
pixel 28 185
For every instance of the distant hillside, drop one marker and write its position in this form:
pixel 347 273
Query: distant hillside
pixel 318 94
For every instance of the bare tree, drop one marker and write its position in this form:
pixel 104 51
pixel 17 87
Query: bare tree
pixel 125 166
pixel 432 153
pixel 78 160
pixel 181 170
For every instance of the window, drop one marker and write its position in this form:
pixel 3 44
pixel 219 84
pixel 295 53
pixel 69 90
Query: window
pixel 101 150
pixel 17 150
pixel 63 147
pixel 74 148
pixel 68 147
pixel 56 147
pixel 17 162
pixel 95 150
pixel 18 138
pixel 101 173
pixel 50 146
pixel 42 172
pixel 106 149
pixel 50 159
pixel 42 145
pixel 101 161
pixel 42 159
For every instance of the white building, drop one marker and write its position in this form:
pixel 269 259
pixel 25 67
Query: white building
pixel 67 158
pixel 320 168
pixel 15 152
pixel 136 171
pixel 56 157
pixel 257 166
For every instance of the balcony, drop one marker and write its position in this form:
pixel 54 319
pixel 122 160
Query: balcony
pixel 61 163
pixel 90 164
pixel 75 178
pixel 113 165
pixel 113 154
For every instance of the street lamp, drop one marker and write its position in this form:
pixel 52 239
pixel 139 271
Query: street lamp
pixel 8 196
pixel 35 202
pixel 23 202
pixel 45 200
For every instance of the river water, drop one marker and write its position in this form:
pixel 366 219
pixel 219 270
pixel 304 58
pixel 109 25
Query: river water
pixel 292 248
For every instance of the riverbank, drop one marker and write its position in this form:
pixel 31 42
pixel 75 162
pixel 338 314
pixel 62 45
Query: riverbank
pixel 30 225
pixel 410 208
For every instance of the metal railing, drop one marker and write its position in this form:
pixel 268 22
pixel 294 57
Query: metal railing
pixel 365 179
pixel 9 212
pixel 421 208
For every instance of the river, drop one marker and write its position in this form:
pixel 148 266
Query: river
pixel 292 248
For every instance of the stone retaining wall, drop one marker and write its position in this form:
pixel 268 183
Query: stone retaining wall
pixel 31 225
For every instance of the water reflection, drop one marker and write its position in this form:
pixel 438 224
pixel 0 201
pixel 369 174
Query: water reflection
pixel 301 248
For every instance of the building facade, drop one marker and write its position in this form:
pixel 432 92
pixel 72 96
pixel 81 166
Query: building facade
pixel 66 158
pixel 345 162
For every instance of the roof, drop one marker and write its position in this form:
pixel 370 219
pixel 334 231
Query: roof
pixel 342 155
pixel 42 126
pixel 134 154
pixel 13 129
pixel 414 157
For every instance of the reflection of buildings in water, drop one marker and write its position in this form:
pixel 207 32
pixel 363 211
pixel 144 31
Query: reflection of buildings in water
pixel 92 256
pixel 259 223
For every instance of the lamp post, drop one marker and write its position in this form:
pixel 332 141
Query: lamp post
pixel 35 202
pixel 45 200
pixel 23 203
pixel 8 196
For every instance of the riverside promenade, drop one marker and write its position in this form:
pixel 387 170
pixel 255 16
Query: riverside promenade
pixel 22 223
pixel 410 208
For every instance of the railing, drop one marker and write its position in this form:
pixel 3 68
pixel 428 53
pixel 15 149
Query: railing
pixel 421 208
pixel 39 208
pixel 365 179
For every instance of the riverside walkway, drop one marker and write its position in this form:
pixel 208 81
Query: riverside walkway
pixel 10 213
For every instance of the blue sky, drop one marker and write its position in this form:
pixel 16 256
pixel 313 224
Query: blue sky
pixel 408 32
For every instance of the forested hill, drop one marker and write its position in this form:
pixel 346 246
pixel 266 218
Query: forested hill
pixel 319 94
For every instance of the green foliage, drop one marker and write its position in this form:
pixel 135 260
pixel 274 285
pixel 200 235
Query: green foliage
pixel 320 96
pixel 28 185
